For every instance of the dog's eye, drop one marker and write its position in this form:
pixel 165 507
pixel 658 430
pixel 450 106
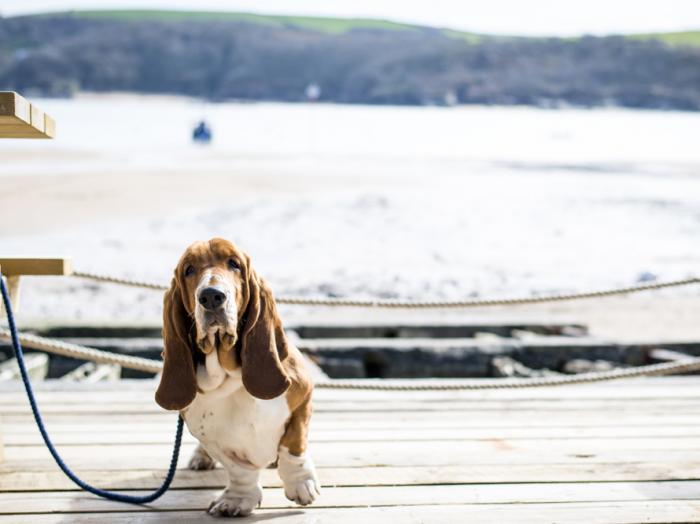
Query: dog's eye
pixel 232 264
pixel 189 270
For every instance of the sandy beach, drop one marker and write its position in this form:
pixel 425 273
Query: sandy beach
pixel 385 215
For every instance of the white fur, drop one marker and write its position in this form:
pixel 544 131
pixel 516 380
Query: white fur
pixel 299 477
pixel 238 430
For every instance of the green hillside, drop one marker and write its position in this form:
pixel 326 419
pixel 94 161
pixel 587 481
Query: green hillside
pixel 325 25
pixel 338 25
pixel 683 38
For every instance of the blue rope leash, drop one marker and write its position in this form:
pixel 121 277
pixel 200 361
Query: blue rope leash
pixel 119 497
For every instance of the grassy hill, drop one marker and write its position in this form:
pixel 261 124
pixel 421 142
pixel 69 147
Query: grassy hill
pixel 681 38
pixel 341 25
pixel 322 24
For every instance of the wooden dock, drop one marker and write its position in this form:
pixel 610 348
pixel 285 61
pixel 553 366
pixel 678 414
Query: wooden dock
pixel 618 452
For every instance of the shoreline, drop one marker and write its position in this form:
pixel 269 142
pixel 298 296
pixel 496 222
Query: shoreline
pixel 126 96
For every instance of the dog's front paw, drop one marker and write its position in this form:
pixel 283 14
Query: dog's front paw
pixel 201 460
pixel 303 492
pixel 229 504
pixel 298 475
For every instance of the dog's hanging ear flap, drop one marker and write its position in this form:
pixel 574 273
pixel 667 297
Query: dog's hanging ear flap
pixel 178 385
pixel 263 343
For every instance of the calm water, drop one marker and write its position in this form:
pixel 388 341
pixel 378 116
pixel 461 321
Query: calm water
pixel 114 131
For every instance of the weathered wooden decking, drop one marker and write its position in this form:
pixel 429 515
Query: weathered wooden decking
pixel 617 452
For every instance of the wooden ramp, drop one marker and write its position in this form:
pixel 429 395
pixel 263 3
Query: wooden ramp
pixel 616 453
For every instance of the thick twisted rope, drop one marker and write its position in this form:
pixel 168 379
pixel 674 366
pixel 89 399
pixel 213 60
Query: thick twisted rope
pixel 154 366
pixel 66 349
pixel 405 304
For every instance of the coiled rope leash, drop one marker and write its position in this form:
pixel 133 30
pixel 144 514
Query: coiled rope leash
pixel 111 495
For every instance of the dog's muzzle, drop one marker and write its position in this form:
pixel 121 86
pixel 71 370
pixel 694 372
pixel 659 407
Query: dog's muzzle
pixel 215 318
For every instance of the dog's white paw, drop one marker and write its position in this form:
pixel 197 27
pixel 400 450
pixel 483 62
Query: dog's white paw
pixel 303 492
pixel 298 475
pixel 229 504
pixel 201 461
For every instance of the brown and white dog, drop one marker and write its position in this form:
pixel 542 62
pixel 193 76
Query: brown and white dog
pixel 242 389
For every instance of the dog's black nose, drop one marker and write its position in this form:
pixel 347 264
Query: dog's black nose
pixel 211 298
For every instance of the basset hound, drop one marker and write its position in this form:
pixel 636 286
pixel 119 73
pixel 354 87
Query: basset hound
pixel 242 389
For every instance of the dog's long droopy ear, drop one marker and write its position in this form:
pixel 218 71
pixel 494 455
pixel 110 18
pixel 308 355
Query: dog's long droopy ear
pixel 263 343
pixel 178 385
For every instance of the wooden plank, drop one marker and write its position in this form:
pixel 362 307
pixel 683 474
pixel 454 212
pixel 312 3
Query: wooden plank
pixel 363 454
pixel 91 434
pixel 686 406
pixel 649 512
pixel 14 109
pixel 651 388
pixel 91 372
pixel 37 365
pixel 492 419
pixel 20 119
pixel 88 431
pixel 12 393
pixel 20 131
pixel 37 119
pixel 49 126
pixel 15 266
pixel 54 480
pixel 436 450
pixel 640 388
pixel 363 496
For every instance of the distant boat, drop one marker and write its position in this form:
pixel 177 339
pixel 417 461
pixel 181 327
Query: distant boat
pixel 312 92
pixel 202 133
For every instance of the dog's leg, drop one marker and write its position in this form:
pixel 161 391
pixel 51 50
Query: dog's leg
pixel 201 460
pixel 295 467
pixel 242 494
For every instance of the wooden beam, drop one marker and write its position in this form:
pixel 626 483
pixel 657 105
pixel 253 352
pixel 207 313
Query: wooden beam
pixel 20 119
pixel 16 266
pixel 14 109
pixel 37 365
pixel 49 126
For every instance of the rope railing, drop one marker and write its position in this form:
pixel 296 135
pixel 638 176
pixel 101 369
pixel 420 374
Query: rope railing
pixel 427 304
pixel 155 366
pixel 68 349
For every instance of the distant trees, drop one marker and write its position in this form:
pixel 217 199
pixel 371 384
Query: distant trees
pixel 59 54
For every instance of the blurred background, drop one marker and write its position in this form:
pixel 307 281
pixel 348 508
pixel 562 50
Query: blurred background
pixel 417 150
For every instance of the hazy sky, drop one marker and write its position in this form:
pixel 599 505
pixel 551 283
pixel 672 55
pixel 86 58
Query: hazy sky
pixel 524 17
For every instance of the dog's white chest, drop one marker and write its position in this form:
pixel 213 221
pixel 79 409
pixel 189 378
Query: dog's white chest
pixel 232 424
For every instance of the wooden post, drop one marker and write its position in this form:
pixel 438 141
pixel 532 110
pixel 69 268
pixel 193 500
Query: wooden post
pixel 13 289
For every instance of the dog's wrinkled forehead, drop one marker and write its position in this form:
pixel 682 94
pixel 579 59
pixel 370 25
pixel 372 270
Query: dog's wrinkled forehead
pixel 216 257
